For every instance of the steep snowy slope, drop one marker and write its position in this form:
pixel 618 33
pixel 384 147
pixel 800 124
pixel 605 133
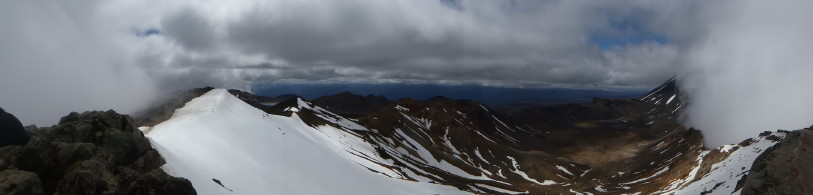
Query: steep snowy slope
pixel 224 145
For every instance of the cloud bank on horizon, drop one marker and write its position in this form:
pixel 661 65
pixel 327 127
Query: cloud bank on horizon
pixel 741 62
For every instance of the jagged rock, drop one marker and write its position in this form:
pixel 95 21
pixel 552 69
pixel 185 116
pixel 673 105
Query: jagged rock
pixel 804 159
pixel 94 153
pixel 8 155
pixel 782 168
pixel 148 161
pixel 88 177
pixel 156 182
pixel 15 181
pixel 12 131
pixel 32 130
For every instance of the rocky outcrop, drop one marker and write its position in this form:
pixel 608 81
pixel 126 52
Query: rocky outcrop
pixel 12 131
pixel 783 168
pixel 14 181
pixel 88 153
pixel 804 160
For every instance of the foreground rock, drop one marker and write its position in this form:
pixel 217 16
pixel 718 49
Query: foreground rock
pixel 88 153
pixel 14 181
pixel 784 168
pixel 12 131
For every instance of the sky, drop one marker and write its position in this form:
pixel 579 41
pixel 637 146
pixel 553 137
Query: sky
pixel 742 63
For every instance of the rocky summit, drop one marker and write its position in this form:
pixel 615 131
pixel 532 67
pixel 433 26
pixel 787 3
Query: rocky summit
pixel 88 153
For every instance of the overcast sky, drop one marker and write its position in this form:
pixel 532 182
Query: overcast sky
pixel 60 56
pixel 506 43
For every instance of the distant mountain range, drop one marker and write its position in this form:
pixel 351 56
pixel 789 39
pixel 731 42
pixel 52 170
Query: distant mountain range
pixel 235 142
pixel 484 94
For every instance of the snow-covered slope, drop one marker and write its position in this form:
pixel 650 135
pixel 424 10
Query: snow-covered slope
pixel 725 176
pixel 226 144
pixel 219 138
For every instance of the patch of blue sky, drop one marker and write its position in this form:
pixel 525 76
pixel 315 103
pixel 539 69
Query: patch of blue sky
pixel 609 42
pixel 626 30
pixel 146 32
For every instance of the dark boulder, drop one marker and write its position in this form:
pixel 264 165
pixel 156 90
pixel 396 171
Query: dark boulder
pixel 12 131
pixel 88 177
pixel 93 153
pixel 15 181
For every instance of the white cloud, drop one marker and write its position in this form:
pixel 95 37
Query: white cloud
pixel 751 71
pixel 58 57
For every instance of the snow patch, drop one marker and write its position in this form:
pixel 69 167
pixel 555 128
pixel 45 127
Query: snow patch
pixel 670 99
pixel 496 189
pixel 563 169
pixel 730 170
pixel 521 173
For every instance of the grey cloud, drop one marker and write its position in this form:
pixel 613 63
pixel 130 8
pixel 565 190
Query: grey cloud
pixel 751 71
pixel 535 41
pixel 190 30
pixel 539 43
pixel 181 79
pixel 57 57
pixel 526 41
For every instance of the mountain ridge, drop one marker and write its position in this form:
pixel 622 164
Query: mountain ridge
pixel 231 141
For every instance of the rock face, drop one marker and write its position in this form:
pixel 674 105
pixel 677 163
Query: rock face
pixel 14 181
pixel 88 153
pixel 783 168
pixel 804 160
pixel 12 131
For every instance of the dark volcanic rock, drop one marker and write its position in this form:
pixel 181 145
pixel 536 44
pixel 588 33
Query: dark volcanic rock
pixel 14 181
pixel 804 159
pixel 93 153
pixel 12 131
pixel 274 105
pixel 783 168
